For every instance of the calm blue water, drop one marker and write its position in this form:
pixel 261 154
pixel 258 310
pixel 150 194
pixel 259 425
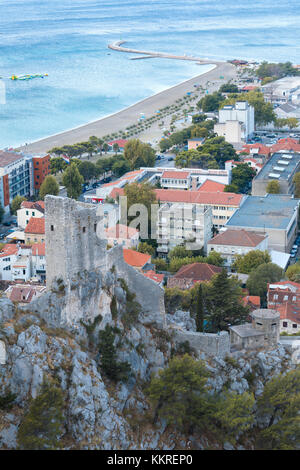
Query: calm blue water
pixel 68 40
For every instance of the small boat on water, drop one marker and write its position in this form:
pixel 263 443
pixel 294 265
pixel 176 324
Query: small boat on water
pixel 28 76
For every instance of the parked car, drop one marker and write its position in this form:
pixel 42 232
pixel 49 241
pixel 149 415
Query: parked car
pixel 7 224
pixel 293 255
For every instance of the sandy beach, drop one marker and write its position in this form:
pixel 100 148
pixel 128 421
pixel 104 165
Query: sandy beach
pixel 129 115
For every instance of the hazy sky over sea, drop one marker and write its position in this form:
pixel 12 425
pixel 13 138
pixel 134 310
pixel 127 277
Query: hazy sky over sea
pixel 68 40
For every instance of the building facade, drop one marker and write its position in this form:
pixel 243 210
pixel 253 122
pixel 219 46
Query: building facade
pixel 179 224
pixel 242 113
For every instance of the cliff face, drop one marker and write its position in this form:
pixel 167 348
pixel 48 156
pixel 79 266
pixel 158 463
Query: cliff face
pixel 40 341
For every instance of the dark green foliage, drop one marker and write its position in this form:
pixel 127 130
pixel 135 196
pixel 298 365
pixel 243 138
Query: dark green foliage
pixel 199 308
pixel 260 277
pixel 242 175
pixel 42 425
pixel 223 303
pixel 247 263
pixel 49 186
pixel 210 103
pixel 7 400
pixel 15 204
pixel 229 88
pixel 90 327
pixel 276 71
pixel 114 370
pixel 114 308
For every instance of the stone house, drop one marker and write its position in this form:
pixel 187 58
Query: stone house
pixel 190 274
pixel 30 209
pixel 285 298
pixel 35 230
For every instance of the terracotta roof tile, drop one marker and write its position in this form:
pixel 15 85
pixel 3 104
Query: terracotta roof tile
pixel 38 249
pixel 35 225
pixel 188 275
pixel 211 186
pixel 8 250
pixel 154 276
pixel 135 258
pixel 175 174
pixel 237 238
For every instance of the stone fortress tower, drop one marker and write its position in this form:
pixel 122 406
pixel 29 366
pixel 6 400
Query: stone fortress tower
pixel 268 322
pixel 73 243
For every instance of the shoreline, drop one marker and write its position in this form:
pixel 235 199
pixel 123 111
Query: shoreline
pixel 128 116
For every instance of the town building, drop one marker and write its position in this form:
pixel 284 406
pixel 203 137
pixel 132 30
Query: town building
pixel 20 262
pixel 284 297
pixel 281 167
pixel 284 90
pixel 210 186
pixel 193 144
pixel 263 332
pixel 240 113
pixel 158 278
pixel 175 179
pixel 236 242
pixel 29 209
pixel 189 275
pixel 20 175
pixel 120 142
pixel 35 230
pixel 286 145
pixel 41 168
pixel 232 132
pixel 276 215
pixel 23 294
pixel 259 152
pixel 180 223
pixel 120 234
pixel 230 164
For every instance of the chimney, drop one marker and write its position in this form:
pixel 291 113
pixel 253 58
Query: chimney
pixel 194 183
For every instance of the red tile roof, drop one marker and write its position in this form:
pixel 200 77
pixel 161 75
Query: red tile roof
pixel 33 205
pixel 195 197
pixel 237 238
pixel 286 144
pixel 22 294
pixel 121 231
pixel 252 301
pixel 8 250
pixel 262 149
pixel 210 186
pixel 188 275
pixel 38 249
pixel 35 225
pixel 121 142
pixel 285 298
pixel 135 258
pixel 176 174
pixel 154 276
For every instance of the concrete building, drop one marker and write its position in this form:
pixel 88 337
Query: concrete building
pixel 21 175
pixel 174 179
pixel 256 166
pixel 29 209
pixel 179 223
pixel 281 167
pixel 23 262
pixel 284 297
pixel 232 132
pixel 276 215
pixel 263 332
pixel 241 113
pixel 236 242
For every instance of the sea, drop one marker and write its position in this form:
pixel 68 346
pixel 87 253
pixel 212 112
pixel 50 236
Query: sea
pixel 68 39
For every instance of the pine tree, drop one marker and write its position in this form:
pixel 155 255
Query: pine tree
pixel 199 308
pixel 73 181
pixel 41 426
pixel 223 303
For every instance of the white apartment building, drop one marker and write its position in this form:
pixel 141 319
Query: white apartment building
pixel 231 131
pixel 183 224
pixel 242 113
pixel 23 262
pixel 29 209
pixel 175 179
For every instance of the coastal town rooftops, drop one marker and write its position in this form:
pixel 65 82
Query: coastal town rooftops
pixel 8 157
pixel 38 249
pixel 176 174
pixel 270 211
pixel 38 205
pixel 197 272
pixel 237 238
pixel 210 186
pixel 35 225
pixel 217 198
pixel 281 164
pixel 259 149
pixel 8 250
pixel 154 276
pixel 121 143
pixel 288 144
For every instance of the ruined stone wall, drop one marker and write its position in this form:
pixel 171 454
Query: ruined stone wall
pixel 209 343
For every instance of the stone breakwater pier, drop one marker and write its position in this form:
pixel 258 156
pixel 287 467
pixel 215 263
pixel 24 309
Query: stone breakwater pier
pixel 118 46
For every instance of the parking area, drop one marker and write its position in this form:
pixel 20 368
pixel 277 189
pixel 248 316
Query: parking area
pixel 295 251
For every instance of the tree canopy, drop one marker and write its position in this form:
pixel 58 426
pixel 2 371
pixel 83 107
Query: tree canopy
pixel 250 261
pixel 73 181
pixel 16 203
pixel 264 112
pixel 273 187
pixel 139 154
pixel 261 276
pixel 49 186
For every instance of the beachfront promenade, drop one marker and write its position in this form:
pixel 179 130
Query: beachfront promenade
pixel 128 116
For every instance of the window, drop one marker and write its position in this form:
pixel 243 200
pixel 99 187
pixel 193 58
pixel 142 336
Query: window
pixel 27 212
pixel 294 325
pixel 52 228
pixel 275 297
pixel 83 229
pixel 95 227
pixel 284 324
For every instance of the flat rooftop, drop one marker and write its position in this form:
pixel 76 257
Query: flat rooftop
pixel 7 157
pixel 270 211
pixel 281 166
